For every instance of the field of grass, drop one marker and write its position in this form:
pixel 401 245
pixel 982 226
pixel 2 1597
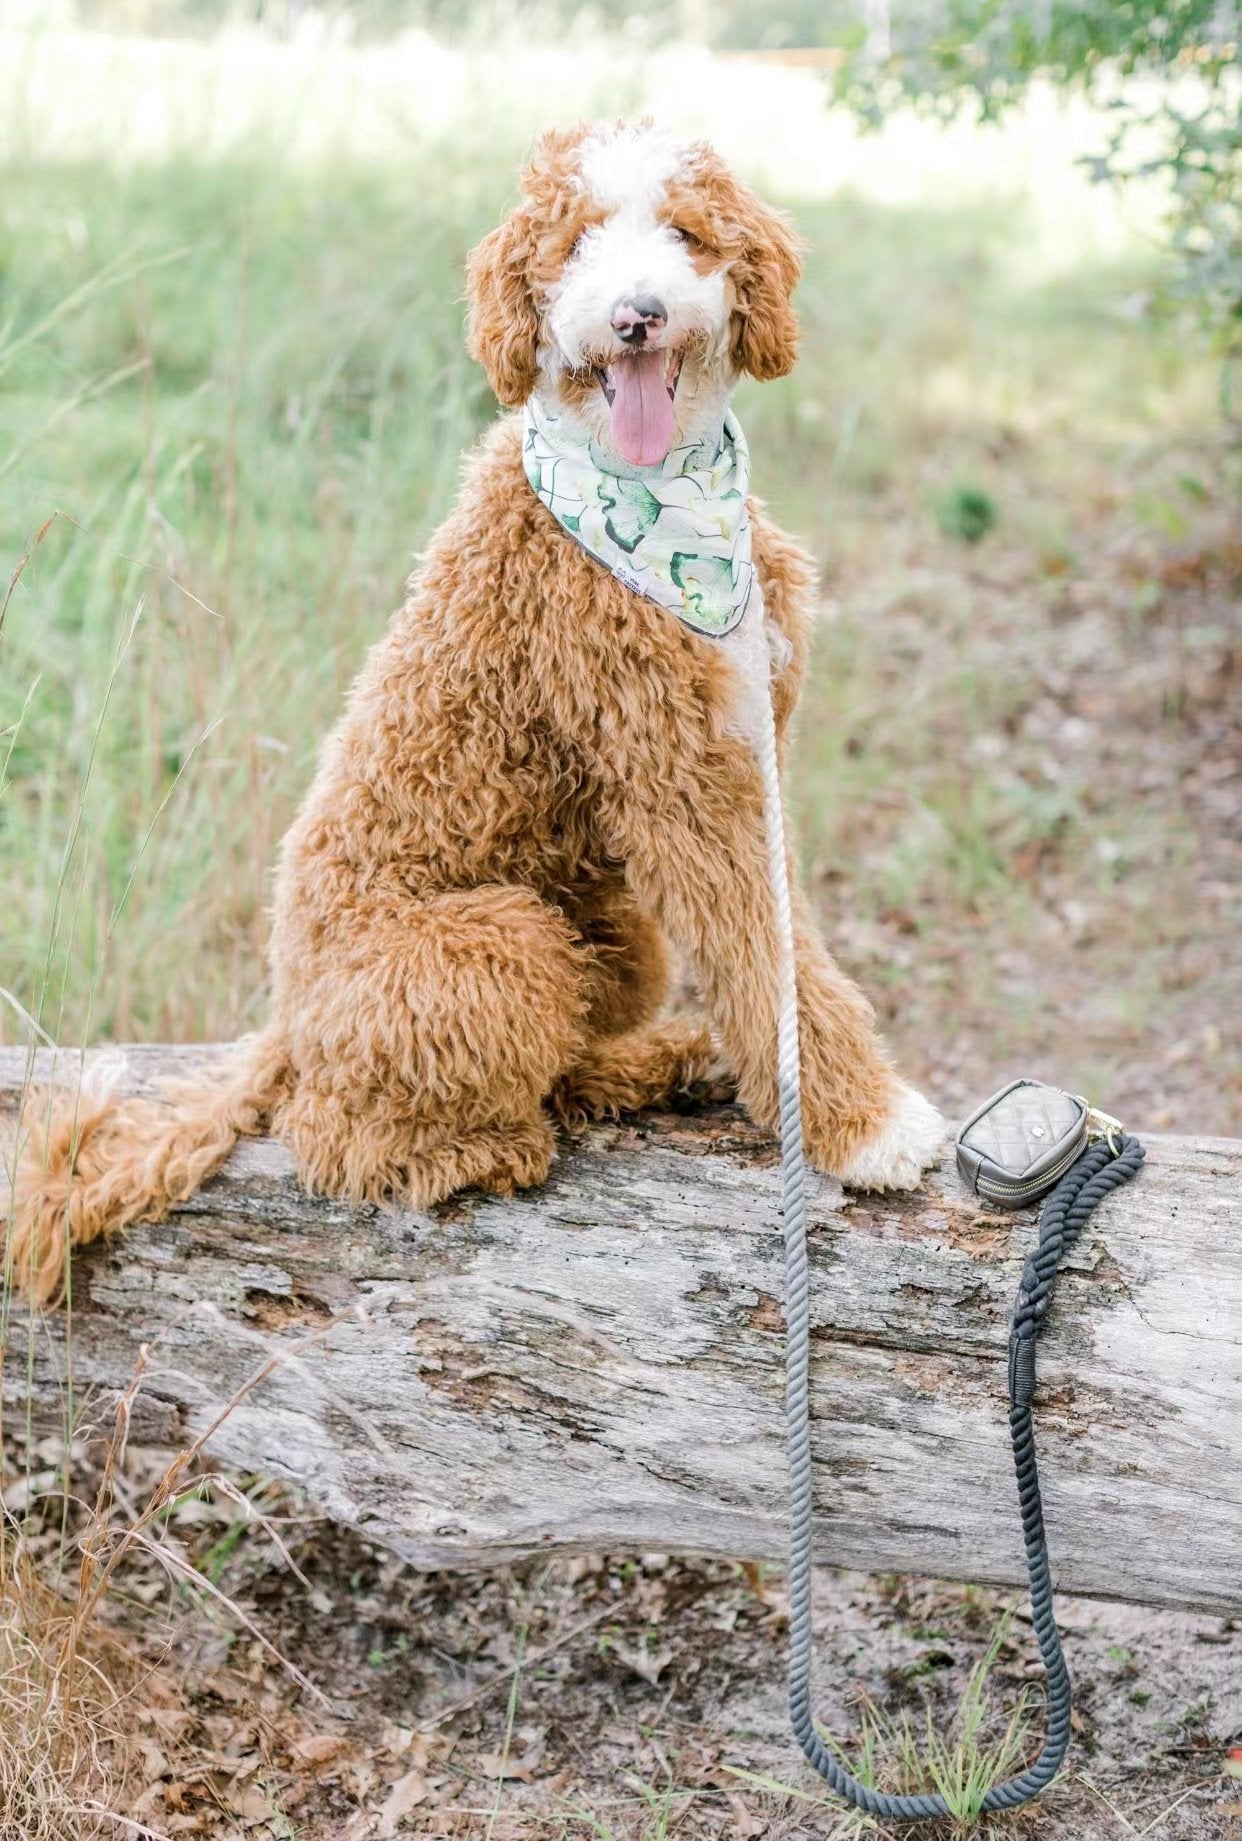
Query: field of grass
pixel 232 376
pixel 233 398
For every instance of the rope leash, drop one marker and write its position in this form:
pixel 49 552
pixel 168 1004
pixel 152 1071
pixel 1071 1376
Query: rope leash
pixel 1105 1165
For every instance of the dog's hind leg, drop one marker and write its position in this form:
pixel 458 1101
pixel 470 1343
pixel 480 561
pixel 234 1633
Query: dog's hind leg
pixel 629 1061
pixel 628 972
pixel 515 1154
pixel 645 1067
pixel 421 1064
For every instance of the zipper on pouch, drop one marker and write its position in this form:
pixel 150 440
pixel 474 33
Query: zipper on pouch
pixel 1016 1191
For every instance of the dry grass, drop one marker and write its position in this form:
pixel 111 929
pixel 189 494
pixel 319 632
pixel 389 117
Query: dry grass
pixel 180 1719
pixel 64 1744
pixel 68 1682
pixel 73 1691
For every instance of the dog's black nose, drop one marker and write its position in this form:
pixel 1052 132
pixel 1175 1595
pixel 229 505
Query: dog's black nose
pixel 636 315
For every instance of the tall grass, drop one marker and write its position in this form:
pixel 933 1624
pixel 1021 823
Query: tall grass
pixel 271 437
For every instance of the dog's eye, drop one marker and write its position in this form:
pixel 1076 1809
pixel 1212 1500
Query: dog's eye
pixel 575 248
pixel 682 235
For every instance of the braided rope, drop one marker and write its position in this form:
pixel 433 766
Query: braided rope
pixel 1099 1170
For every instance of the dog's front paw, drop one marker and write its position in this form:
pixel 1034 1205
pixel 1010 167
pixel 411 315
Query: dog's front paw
pixel 906 1144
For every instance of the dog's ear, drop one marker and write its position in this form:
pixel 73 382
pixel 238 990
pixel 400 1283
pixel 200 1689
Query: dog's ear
pixel 502 328
pixel 762 253
pixel 512 269
pixel 764 325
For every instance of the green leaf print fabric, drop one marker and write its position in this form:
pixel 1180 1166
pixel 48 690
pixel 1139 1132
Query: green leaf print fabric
pixel 678 533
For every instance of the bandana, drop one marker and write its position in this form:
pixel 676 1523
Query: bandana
pixel 678 533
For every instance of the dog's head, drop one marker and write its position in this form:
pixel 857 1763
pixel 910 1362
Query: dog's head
pixel 631 286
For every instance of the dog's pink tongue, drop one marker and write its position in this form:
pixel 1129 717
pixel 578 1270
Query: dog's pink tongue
pixel 642 409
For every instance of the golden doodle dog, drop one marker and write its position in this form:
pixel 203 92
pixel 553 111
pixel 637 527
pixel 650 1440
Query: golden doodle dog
pixel 543 779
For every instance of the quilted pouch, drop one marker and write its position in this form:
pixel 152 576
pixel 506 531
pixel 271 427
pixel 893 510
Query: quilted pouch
pixel 1018 1145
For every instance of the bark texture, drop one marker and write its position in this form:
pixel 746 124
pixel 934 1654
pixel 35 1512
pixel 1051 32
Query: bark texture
pixel 598 1364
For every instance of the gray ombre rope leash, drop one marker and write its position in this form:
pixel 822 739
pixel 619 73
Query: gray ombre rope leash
pixel 1100 1169
pixel 714 599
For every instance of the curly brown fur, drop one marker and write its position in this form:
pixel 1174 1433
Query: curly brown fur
pixel 729 223
pixel 535 787
pixel 87 1163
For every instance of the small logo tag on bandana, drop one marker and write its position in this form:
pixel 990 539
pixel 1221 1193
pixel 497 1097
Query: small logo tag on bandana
pixel 678 533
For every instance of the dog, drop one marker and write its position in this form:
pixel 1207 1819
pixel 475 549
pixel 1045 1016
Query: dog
pixel 541 783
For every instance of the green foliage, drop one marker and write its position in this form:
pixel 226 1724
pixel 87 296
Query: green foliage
pixel 984 54
pixel 966 513
pixel 991 49
pixel 901 1756
pixel 1199 154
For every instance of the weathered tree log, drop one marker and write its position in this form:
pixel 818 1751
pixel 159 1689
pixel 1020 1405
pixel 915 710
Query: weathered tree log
pixel 598 1364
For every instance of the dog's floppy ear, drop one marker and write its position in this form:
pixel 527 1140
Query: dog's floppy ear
pixel 511 269
pixel 502 328
pixel 764 326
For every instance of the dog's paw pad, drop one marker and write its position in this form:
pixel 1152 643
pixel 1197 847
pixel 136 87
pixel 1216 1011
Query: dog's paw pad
pixel 906 1145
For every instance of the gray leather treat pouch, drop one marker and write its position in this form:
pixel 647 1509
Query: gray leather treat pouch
pixel 1018 1145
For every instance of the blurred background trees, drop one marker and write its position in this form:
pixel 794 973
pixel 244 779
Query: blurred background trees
pixel 1167 71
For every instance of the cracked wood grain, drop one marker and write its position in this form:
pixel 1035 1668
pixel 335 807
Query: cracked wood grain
pixel 598 1364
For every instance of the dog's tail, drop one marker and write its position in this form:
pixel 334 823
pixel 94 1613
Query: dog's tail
pixel 88 1162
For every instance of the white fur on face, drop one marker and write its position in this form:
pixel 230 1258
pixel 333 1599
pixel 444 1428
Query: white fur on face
pixel 627 169
pixel 624 172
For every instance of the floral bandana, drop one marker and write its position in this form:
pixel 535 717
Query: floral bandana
pixel 678 533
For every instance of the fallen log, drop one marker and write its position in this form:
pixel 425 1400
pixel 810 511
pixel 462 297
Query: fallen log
pixel 598 1363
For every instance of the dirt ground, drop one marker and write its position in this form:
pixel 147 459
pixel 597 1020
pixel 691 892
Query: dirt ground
pixel 1077 912
pixel 630 1698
